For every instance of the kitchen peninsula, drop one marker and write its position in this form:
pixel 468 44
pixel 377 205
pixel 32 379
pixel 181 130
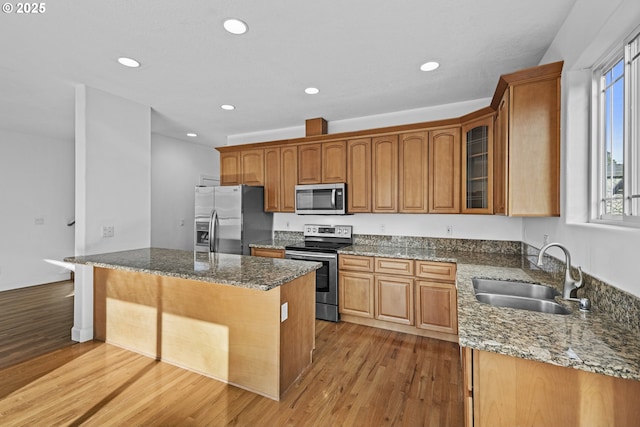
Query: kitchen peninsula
pixel 247 321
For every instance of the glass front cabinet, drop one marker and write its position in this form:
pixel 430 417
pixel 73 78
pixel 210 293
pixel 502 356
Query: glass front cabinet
pixel 477 166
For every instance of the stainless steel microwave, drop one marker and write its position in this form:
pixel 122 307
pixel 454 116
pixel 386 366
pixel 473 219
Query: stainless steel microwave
pixel 321 199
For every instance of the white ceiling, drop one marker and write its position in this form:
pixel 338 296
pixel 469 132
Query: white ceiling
pixel 364 55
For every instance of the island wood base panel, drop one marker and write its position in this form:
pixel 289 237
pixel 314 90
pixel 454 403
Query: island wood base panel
pixel 229 333
pixel 509 391
pixel 397 327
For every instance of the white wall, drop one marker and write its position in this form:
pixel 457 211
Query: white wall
pixel 113 172
pixel 36 182
pixel 176 167
pixel 607 252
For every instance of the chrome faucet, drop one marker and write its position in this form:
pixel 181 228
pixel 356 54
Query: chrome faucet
pixel 569 283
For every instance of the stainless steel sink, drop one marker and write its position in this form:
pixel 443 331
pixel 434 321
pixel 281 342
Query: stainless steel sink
pixel 519 289
pixel 520 295
pixel 523 303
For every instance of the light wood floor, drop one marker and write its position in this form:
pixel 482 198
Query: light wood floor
pixel 360 376
pixel 34 321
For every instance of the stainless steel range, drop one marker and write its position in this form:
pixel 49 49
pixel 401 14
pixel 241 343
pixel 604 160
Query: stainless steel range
pixel 321 244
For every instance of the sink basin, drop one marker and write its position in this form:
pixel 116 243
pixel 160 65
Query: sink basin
pixel 518 289
pixel 521 295
pixel 523 303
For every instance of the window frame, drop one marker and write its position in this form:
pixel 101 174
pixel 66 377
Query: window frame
pixel 631 136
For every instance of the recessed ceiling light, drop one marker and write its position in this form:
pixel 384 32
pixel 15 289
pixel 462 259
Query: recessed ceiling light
pixel 235 26
pixel 429 66
pixel 311 90
pixel 128 62
pixel 192 135
pixel 227 107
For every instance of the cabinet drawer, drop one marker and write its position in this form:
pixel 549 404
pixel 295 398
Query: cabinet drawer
pixel 355 263
pixel 436 270
pixel 394 266
pixel 269 253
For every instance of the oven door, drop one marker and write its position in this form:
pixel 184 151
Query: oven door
pixel 326 282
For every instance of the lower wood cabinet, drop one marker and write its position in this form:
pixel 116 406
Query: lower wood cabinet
pixel 436 306
pixel 268 253
pixel 356 294
pixel 412 296
pixel 502 390
pixel 394 299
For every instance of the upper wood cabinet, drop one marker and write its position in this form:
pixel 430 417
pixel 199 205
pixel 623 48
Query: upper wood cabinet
pixel 252 167
pixel 477 166
pixel 444 171
pixel 384 169
pixel 502 159
pixel 359 175
pixel 334 162
pixel 272 183
pixel 527 154
pixel 413 172
pixel 281 177
pixel 288 178
pixel 242 167
pixel 501 127
pixel 230 168
pixel 310 164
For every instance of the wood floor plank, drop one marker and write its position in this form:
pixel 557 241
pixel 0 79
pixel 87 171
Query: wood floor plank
pixel 360 376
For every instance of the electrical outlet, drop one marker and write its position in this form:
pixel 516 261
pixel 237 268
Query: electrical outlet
pixel 107 231
pixel 181 222
pixel 288 225
pixel 382 228
pixel 39 221
pixel 449 230
pixel 545 239
pixel 284 312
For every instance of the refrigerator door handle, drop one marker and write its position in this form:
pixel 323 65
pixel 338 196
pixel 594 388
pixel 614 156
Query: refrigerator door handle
pixel 213 232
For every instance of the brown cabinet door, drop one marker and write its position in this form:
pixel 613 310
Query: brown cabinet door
pixel 394 299
pixel 288 178
pixel 359 175
pixel 356 294
pixel 272 183
pixel 334 162
pixel 534 149
pixel 252 167
pixel 436 306
pixel 310 164
pixel 384 170
pixel 413 172
pixel 230 168
pixel 500 156
pixel 444 171
pixel 477 166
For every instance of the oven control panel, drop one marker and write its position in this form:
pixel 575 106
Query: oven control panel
pixel 342 231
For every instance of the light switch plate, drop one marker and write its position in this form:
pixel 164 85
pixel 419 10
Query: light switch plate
pixel 284 312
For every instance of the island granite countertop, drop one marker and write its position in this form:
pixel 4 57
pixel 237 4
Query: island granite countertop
pixel 227 269
pixel 590 341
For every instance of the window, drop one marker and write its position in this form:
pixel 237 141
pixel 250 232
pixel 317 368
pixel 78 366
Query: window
pixel 618 148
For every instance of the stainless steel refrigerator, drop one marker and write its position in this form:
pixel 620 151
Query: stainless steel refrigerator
pixel 229 218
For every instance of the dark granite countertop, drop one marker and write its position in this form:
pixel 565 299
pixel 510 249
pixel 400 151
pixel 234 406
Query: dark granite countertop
pixel 227 269
pixel 274 243
pixel 590 341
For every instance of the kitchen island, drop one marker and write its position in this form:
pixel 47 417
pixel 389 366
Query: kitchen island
pixel 247 321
